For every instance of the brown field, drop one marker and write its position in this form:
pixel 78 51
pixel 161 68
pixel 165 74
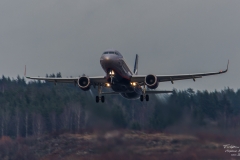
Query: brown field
pixel 129 145
pixel 118 145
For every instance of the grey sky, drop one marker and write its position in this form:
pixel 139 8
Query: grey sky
pixel 170 36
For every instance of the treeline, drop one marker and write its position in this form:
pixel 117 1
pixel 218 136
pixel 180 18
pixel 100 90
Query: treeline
pixel 36 108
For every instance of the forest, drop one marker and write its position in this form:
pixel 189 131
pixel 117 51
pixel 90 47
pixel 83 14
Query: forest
pixel 35 108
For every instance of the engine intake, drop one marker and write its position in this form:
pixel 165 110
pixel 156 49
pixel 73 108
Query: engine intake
pixel 151 81
pixel 84 83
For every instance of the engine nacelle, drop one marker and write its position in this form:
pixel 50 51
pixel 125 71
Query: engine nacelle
pixel 151 81
pixel 84 83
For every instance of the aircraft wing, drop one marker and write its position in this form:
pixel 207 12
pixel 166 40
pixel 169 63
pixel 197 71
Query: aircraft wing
pixel 93 80
pixel 164 78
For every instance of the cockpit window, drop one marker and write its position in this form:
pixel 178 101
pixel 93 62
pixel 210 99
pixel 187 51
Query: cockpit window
pixel 116 53
pixel 119 54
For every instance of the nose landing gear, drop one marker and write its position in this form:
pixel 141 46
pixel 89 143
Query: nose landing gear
pixel 111 73
pixel 144 95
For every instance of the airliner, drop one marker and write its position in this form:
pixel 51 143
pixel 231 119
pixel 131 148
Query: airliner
pixel 122 80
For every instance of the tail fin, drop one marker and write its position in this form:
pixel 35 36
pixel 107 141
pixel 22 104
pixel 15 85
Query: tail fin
pixel 135 71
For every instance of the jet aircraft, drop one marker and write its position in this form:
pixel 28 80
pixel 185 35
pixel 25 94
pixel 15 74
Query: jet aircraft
pixel 122 80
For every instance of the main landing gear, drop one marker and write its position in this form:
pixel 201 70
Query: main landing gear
pixel 144 96
pixel 100 97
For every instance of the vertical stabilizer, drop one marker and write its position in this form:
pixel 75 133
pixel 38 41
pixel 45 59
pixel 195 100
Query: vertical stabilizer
pixel 135 71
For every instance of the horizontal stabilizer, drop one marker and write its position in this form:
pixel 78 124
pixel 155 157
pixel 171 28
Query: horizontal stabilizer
pixel 147 92
pixel 157 92
pixel 109 93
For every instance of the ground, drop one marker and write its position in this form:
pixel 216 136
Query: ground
pixel 129 145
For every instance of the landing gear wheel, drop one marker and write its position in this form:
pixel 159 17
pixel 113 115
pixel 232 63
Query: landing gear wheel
pixel 102 99
pixel 141 98
pixel 147 97
pixel 97 99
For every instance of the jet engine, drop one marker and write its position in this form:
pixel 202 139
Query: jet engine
pixel 151 81
pixel 84 83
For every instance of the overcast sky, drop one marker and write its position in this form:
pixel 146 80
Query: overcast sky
pixel 170 36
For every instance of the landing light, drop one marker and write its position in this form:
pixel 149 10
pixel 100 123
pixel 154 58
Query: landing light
pixel 133 83
pixel 111 72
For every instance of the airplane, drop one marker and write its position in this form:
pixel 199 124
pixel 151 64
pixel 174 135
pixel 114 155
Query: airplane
pixel 122 81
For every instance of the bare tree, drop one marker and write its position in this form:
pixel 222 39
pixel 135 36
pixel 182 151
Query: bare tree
pixel 17 116
pixel 77 112
pixel 53 121
pixel 86 118
pixel 65 118
pixel 5 117
pixel 38 124
pixel 2 123
pixel 26 123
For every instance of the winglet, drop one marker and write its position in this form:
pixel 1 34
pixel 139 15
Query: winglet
pixel 25 71
pixel 226 69
pixel 227 65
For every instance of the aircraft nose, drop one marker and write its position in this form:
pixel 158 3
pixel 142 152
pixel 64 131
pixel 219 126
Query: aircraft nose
pixel 107 60
pixel 107 57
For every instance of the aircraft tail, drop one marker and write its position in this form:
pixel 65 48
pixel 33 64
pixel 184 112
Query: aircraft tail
pixel 135 71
